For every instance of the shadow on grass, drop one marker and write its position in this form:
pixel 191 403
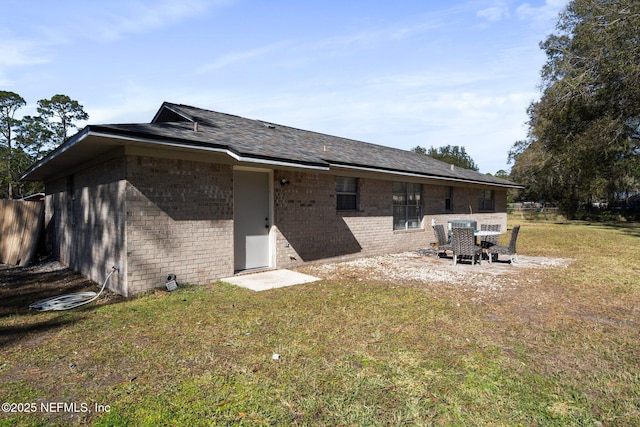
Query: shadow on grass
pixel 628 228
pixel 33 332
pixel 22 286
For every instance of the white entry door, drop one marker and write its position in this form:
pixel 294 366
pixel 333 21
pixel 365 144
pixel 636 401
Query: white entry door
pixel 251 219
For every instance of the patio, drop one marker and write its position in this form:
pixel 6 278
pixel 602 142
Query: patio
pixel 425 267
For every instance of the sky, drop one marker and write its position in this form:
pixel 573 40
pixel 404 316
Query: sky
pixel 426 73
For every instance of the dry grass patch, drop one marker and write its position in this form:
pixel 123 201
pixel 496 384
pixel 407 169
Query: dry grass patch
pixel 541 345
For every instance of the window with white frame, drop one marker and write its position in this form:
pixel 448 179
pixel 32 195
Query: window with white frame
pixel 486 200
pixel 407 205
pixel 346 193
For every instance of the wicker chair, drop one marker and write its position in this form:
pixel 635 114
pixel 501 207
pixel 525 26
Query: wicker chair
pixel 506 250
pixel 464 245
pixel 443 241
pixel 487 241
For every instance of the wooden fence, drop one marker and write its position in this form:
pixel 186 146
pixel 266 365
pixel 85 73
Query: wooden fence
pixel 21 224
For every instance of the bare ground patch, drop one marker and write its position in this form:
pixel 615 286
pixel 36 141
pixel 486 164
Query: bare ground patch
pixel 423 268
pixel 21 286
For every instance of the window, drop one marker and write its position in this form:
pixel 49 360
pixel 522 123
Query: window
pixel 407 205
pixel 448 198
pixel 347 193
pixel 485 200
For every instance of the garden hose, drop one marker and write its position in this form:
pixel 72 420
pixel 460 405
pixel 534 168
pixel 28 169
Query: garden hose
pixel 69 301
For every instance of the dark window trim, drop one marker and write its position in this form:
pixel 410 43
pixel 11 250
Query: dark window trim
pixel 352 196
pixel 406 217
pixel 484 203
pixel 448 198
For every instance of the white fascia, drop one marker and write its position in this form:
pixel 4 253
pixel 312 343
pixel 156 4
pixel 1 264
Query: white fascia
pixel 417 175
pixel 74 140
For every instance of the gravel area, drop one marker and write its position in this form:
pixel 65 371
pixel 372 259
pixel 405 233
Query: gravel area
pixel 425 266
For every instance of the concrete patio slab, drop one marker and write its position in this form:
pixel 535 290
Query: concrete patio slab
pixel 271 279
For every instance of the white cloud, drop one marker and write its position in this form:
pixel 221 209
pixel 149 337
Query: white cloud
pixel 374 36
pixel 113 20
pixel 132 102
pixel 431 79
pixel 236 57
pixel 18 53
pixel 542 15
pixel 495 13
pixel 116 20
pixel 13 54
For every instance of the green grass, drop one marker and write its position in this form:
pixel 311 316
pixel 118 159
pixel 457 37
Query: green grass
pixel 561 349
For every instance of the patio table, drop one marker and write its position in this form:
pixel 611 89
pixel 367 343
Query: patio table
pixel 484 233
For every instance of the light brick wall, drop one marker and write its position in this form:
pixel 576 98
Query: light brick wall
pixel 85 227
pixel 152 217
pixel 310 229
pixel 53 202
pixel 463 198
pixel 172 216
pixel 179 220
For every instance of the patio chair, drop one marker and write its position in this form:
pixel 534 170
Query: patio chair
pixel 487 241
pixel 443 241
pixel 464 245
pixel 506 250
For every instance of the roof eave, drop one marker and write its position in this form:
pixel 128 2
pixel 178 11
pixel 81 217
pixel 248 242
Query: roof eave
pixel 422 175
pixel 97 131
pixel 65 146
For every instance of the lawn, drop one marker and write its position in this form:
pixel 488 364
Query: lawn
pixel 559 348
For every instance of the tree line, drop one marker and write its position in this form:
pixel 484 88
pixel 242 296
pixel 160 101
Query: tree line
pixel 583 144
pixel 26 140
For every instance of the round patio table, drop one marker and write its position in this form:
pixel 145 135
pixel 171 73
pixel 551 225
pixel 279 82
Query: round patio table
pixel 483 233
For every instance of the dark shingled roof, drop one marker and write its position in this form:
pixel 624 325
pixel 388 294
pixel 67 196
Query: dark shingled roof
pixel 263 141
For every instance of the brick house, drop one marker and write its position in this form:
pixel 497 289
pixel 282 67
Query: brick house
pixel 203 195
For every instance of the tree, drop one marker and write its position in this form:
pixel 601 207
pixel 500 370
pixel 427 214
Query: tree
pixel 61 112
pixel 10 103
pixel 34 136
pixel 454 155
pixel 584 132
pixel 502 174
pixel 25 141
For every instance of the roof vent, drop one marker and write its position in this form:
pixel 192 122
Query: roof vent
pixel 452 167
pixel 269 125
pixel 195 126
